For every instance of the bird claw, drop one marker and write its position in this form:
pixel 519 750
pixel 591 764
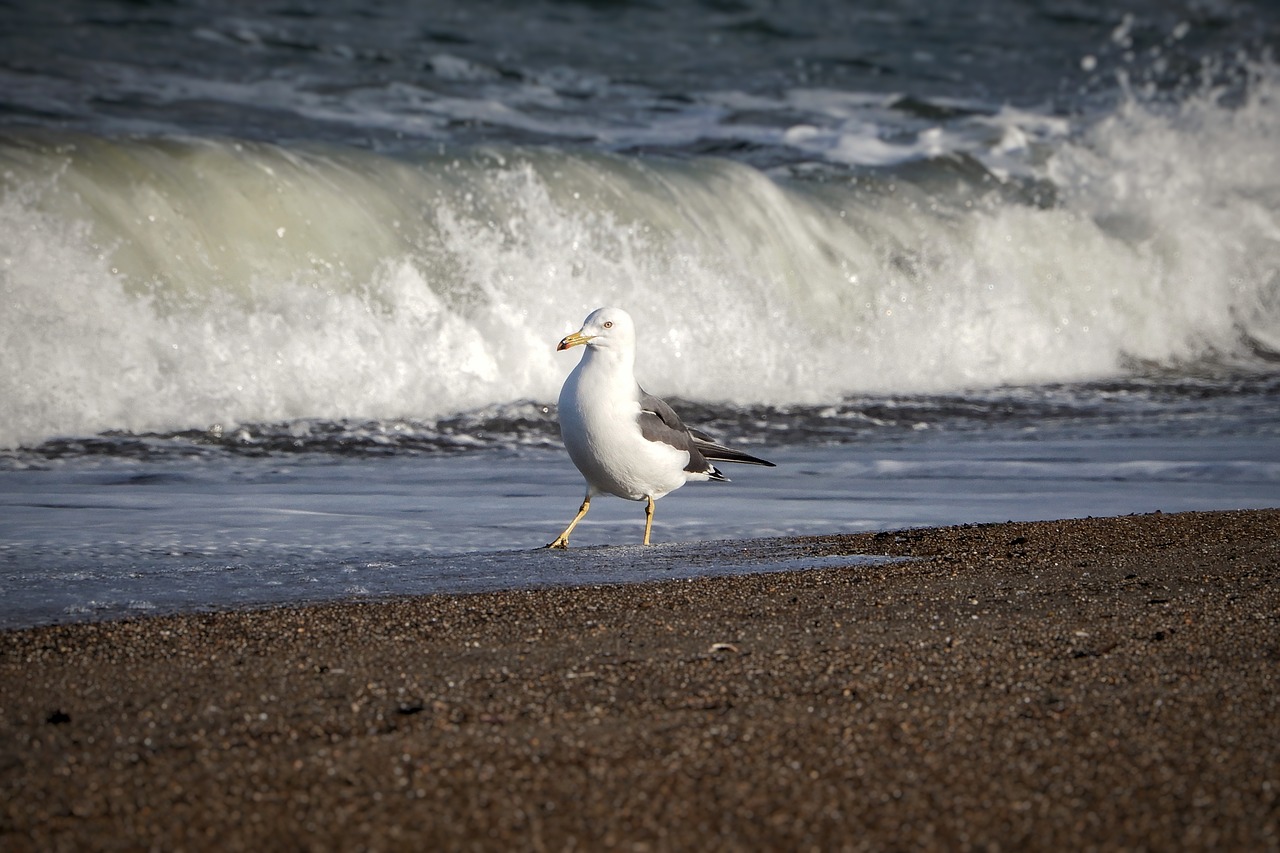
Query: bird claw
pixel 561 544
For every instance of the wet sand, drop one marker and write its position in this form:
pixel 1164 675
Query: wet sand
pixel 1102 683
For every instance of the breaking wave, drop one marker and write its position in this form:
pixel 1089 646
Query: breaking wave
pixel 178 283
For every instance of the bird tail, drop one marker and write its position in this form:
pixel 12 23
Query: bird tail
pixel 714 451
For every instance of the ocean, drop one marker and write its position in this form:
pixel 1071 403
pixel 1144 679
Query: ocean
pixel 282 282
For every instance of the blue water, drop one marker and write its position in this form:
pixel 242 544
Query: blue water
pixel 282 285
pixel 111 537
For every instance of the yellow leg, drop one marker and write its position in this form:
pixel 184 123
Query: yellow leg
pixel 562 541
pixel 648 520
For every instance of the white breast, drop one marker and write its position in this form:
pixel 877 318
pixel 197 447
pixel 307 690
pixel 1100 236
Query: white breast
pixel 599 407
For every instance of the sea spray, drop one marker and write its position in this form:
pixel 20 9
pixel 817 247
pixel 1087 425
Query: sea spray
pixel 166 284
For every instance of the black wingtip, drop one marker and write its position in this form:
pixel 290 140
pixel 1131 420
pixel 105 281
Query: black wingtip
pixel 724 454
pixel 714 451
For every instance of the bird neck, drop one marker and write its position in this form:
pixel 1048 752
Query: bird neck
pixel 605 374
pixel 614 360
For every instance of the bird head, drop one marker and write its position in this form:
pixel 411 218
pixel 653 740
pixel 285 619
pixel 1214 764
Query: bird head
pixel 604 327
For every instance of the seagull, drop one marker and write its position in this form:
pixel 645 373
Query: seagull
pixel 625 441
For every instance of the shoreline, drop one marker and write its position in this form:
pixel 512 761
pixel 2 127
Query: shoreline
pixel 1104 682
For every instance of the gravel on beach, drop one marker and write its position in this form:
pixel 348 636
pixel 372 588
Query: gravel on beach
pixel 1086 684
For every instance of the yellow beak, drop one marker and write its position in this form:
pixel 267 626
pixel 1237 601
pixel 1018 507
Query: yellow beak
pixel 576 339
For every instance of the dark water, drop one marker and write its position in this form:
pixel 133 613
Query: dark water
pixel 711 76
pixel 282 281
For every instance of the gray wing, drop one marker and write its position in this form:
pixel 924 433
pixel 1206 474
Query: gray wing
pixel 659 422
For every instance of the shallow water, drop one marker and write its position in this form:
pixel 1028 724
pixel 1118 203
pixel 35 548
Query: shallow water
pixel 110 537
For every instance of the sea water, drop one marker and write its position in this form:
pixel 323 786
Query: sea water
pixel 281 286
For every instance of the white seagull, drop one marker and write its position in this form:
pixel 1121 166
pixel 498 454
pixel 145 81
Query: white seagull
pixel 624 441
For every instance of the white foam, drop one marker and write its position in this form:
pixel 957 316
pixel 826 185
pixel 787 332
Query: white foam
pixel 153 285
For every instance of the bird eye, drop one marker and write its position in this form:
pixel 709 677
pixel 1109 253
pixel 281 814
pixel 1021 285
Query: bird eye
pixel 608 324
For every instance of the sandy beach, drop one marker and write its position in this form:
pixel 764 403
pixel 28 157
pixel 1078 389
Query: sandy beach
pixel 1088 684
